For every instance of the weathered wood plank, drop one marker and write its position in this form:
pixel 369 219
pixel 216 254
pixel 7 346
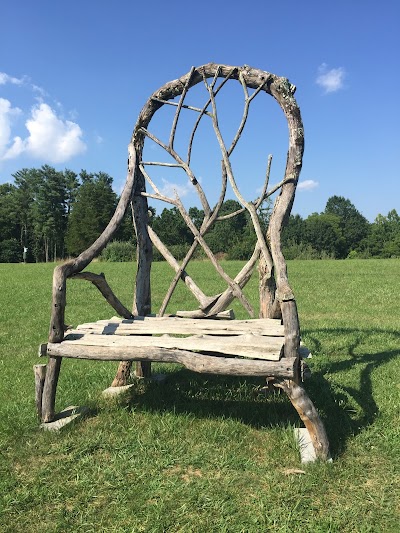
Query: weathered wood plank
pixel 179 326
pixel 252 346
pixel 205 364
pixel 223 315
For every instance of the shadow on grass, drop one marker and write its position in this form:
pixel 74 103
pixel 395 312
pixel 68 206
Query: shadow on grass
pixel 209 396
pixel 335 400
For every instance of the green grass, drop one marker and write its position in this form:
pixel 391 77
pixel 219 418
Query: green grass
pixel 201 453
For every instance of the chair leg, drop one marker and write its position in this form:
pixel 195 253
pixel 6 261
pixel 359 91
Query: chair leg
pixel 143 369
pixel 123 374
pixel 49 389
pixel 309 415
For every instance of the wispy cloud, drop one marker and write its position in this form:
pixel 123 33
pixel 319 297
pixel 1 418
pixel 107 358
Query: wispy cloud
pixel 6 78
pixel 50 137
pixel 171 189
pixel 307 185
pixel 331 80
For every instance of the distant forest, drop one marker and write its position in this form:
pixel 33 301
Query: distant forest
pixel 57 214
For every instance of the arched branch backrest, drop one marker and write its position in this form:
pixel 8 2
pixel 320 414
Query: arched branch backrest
pixel 268 248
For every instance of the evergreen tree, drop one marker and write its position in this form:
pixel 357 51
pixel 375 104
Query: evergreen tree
pixel 353 224
pixel 91 212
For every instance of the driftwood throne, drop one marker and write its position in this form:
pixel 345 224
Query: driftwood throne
pixel 206 340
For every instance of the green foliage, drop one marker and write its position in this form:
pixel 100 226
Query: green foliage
pixel 10 251
pixel 226 234
pixel 91 212
pixel 293 250
pixel 353 225
pixel 55 214
pixel 384 236
pixel 171 228
pixel 117 252
pixel 323 232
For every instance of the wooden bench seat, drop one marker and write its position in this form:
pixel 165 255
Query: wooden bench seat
pixel 237 347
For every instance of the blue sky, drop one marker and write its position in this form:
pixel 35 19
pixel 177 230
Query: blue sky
pixel 74 76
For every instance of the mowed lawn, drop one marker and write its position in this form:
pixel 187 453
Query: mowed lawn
pixel 201 453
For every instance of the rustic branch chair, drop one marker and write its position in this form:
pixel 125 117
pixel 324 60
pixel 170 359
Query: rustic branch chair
pixel 203 341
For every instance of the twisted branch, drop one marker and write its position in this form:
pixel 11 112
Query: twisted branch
pixel 248 205
pixel 203 112
pixel 237 291
pixel 207 223
pixel 185 167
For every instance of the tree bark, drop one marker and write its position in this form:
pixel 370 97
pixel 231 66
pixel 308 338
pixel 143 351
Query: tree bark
pixel 309 415
pixel 50 387
pixel 40 376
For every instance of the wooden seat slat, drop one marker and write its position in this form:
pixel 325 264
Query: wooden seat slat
pixel 248 345
pixel 182 326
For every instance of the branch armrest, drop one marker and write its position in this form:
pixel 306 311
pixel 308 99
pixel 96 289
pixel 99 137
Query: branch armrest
pixel 74 266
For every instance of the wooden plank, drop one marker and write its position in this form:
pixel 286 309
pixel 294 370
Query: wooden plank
pixel 222 315
pixel 179 326
pixel 251 346
pixel 205 364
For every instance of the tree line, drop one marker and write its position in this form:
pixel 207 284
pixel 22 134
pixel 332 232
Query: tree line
pixel 57 214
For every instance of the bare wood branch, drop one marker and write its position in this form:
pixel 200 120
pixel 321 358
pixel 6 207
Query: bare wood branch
pixel 234 286
pixel 309 415
pixel 178 109
pixel 256 202
pixel 207 223
pixel 263 194
pixel 40 377
pixel 62 272
pixel 161 164
pixel 160 197
pixel 248 205
pixel 245 110
pixel 206 364
pixel 184 106
pixel 185 167
pixel 217 73
pixel 99 281
pixel 50 387
pixel 241 279
pixel 204 300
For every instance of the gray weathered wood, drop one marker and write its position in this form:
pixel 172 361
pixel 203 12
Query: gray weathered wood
pixel 50 387
pixel 40 375
pixel 309 415
pixel 184 326
pixel 139 339
pixel 248 345
pixel 223 315
pixel 206 364
pixel 99 281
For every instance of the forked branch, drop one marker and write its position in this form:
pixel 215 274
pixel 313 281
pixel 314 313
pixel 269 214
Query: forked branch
pixel 248 205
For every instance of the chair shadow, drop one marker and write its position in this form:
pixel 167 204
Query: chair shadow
pixel 242 399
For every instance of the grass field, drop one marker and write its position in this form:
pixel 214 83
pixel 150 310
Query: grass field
pixel 200 453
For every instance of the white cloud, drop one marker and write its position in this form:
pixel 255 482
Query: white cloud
pixel 50 138
pixel 7 112
pixel 170 189
pixel 330 80
pixel 5 78
pixel 307 185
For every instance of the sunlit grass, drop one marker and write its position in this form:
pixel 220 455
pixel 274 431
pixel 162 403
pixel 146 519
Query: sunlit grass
pixel 202 453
